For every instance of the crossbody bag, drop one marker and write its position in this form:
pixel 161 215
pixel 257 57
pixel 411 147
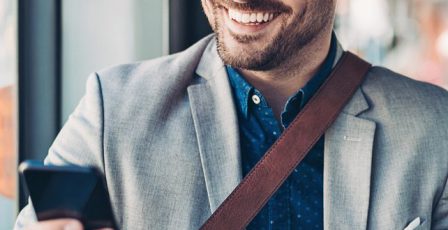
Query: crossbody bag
pixel 249 197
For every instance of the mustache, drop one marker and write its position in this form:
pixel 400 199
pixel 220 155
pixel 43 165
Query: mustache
pixel 254 5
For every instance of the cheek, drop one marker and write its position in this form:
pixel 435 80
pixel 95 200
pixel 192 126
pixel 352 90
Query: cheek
pixel 299 5
pixel 208 10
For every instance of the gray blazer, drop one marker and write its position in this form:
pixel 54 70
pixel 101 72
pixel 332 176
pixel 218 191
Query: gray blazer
pixel 165 134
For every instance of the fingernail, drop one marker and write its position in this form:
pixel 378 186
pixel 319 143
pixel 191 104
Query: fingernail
pixel 72 226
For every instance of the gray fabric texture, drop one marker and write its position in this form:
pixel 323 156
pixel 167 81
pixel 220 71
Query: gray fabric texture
pixel 164 132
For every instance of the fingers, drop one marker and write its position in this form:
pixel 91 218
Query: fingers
pixel 59 224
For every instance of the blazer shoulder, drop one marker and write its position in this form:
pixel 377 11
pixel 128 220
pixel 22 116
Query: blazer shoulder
pixel 400 91
pixel 172 69
pixel 135 68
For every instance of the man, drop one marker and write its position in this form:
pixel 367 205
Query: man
pixel 175 135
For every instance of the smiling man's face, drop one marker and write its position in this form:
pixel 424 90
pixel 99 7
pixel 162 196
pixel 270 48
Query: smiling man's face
pixel 263 34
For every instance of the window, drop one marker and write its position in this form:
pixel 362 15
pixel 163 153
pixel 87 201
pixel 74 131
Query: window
pixel 8 112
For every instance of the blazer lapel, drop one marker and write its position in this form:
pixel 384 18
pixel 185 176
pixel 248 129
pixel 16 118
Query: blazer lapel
pixel 347 168
pixel 348 147
pixel 216 127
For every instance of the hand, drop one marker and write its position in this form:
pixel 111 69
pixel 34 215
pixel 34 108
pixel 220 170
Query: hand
pixel 59 224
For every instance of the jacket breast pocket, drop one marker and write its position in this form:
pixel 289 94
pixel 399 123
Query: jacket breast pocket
pixel 417 224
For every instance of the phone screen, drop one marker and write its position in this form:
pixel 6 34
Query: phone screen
pixel 68 192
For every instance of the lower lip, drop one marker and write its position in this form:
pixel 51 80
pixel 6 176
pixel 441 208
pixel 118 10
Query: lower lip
pixel 244 29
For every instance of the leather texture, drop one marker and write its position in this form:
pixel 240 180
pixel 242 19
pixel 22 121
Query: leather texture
pixel 165 134
pixel 244 203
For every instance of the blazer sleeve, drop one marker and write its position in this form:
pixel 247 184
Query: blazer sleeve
pixel 80 142
pixel 440 216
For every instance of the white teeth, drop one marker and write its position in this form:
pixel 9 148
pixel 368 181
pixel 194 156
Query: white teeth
pixel 260 17
pixel 246 18
pixel 266 17
pixel 253 18
pixel 238 16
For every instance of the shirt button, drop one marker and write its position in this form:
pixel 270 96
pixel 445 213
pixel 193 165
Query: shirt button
pixel 256 99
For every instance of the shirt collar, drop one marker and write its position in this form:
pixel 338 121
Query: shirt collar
pixel 299 100
pixel 243 89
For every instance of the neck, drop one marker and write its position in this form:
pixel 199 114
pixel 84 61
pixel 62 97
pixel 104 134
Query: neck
pixel 278 84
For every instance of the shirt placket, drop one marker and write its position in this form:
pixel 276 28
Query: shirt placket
pixel 278 206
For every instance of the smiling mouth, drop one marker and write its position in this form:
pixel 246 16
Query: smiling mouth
pixel 251 18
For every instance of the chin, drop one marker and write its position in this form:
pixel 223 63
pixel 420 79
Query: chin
pixel 244 54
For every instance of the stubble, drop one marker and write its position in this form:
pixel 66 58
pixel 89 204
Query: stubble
pixel 286 44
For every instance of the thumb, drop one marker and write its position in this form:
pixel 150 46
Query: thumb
pixel 57 224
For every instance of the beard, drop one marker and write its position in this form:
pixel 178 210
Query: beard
pixel 291 38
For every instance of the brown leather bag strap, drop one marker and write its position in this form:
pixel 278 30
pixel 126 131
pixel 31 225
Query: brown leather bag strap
pixel 244 203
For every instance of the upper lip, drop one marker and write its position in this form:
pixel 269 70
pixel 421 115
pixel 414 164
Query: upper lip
pixel 253 11
pixel 248 10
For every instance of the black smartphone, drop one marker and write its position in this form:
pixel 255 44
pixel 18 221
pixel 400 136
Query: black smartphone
pixel 68 192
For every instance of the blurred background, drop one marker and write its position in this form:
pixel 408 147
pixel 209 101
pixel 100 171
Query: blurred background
pixel 48 48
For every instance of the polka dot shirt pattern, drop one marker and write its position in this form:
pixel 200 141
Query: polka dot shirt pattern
pixel 298 204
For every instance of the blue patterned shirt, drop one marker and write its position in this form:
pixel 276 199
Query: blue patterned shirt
pixel 298 204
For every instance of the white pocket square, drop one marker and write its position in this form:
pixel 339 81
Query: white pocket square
pixel 413 224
